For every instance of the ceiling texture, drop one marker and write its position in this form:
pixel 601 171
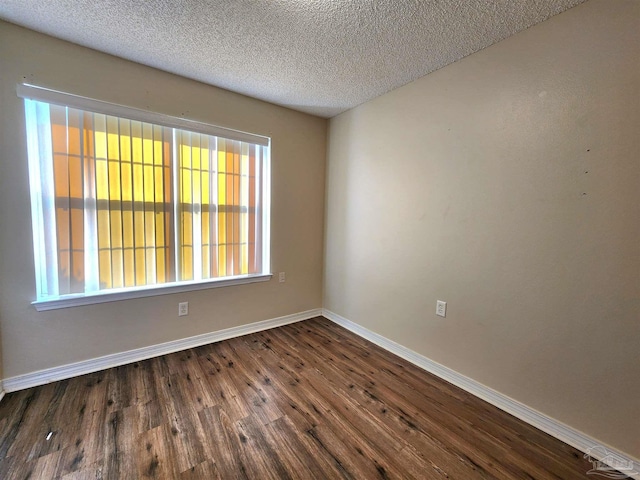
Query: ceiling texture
pixel 317 56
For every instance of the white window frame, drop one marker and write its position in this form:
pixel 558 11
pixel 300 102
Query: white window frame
pixel 32 92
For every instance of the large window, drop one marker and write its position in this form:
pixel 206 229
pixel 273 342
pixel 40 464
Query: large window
pixel 125 201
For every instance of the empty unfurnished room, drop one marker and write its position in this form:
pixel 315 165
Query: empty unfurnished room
pixel 319 239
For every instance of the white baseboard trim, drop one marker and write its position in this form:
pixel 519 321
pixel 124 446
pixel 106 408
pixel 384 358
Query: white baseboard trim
pixel 559 430
pixel 2 392
pixel 41 377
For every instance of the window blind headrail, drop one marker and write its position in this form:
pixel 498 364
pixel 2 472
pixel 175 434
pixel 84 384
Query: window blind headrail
pixel 98 106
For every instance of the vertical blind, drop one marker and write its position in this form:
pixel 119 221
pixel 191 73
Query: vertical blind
pixel 119 203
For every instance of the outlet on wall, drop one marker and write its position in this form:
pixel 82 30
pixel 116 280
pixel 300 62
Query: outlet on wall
pixel 183 309
pixel 281 277
pixel 441 308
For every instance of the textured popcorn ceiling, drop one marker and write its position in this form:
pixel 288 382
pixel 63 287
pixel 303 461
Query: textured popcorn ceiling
pixel 317 56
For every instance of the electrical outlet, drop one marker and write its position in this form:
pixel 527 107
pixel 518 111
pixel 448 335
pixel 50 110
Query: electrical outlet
pixel 281 277
pixel 441 308
pixel 183 309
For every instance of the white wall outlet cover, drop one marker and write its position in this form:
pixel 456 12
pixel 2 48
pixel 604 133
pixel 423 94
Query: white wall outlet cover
pixel 183 309
pixel 441 308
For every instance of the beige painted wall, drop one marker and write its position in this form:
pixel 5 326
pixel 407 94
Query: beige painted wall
pixel 508 185
pixel 32 340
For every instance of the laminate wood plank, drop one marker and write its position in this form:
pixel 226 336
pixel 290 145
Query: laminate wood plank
pixel 86 442
pixel 15 421
pixel 149 415
pixel 155 456
pixel 120 439
pixel 224 443
pixel 203 471
pixel 239 448
pixel 25 439
pixel 307 400
pixel 48 466
pixel 180 362
pixel 222 389
pixel 92 473
pixel 142 377
pixel 196 392
pixel 159 366
pixel 281 385
pixel 248 384
pixel 183 435
pixel 257 451
pixel 9 470
pixel 296 454
pixel 353 456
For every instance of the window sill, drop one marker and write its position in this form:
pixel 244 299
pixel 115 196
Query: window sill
pixel 141 292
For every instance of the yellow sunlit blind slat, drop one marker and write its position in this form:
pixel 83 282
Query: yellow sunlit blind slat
pixel 136 204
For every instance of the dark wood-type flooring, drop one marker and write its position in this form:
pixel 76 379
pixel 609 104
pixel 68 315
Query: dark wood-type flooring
pixel 308 400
